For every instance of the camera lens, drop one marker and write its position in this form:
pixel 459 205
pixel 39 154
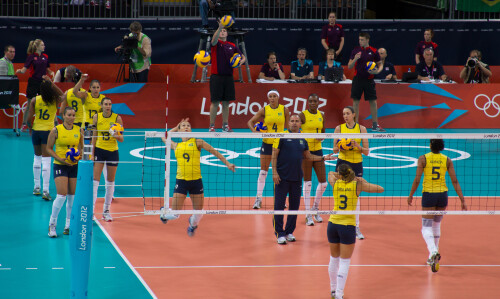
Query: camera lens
pixel 471 63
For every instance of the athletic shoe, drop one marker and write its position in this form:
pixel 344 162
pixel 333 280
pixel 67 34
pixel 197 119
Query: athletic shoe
pixel 359 235
pixel 163 218
pixel 435 258
pixel 258 203
pixel 333 294
pixel 37 191
pixel 378 129
pixel 226 129
pixel 46 196
pixel 316 218
pixel 211 129
pixel 66 231
pixel 52 231
pixel 290 238
pixel 282 240
pixel 106 216
pixel 191 229
pixel 429 261
pixel 309 220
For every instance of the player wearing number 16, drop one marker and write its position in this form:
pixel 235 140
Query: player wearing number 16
pixel 75 97
pixel 341 229
pixel 188 179
pixel 276 118
pixel 105 151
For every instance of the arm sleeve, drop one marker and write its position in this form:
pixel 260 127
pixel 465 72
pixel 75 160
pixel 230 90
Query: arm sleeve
pixel 321 68
pixel 324 32
pixel 29 61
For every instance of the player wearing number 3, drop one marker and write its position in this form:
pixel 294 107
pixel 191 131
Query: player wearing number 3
pixel 188 179
pixel 105 151
pixel 434 166
pixel 276 118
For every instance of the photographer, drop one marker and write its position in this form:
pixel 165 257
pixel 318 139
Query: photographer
pixel 475 71
pixel 140 55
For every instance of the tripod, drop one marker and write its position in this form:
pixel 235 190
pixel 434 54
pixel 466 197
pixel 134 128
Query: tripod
pixel 122 72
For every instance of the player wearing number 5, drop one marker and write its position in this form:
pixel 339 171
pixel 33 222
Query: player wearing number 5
pixel 188 179
pixel 276 117
pixel 108 131
pixel 341 229
pixel 434 166
pixel 75 98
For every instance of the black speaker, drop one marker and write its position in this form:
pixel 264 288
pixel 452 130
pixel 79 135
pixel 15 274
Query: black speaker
pixel 9 91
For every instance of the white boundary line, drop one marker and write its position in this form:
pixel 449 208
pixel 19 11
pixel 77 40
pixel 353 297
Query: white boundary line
pixel 126 260
pixel 299 266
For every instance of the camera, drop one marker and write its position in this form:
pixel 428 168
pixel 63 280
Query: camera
pixel 130 42
pixel 472 62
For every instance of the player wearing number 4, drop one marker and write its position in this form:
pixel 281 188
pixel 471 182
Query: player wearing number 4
pixel 108 130
pixel 276 117
pixel 351 154
pixel 434 166
pixel 66 137
pixel 44 108
pixel 188 179
pixel 341 230
pixel 313 121
pixel 75 97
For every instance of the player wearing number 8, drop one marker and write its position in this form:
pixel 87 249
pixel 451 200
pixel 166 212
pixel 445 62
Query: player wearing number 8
pixel 188 179
pixel 434 166
pixel 341 229
pixel 275 117
pixel 75 97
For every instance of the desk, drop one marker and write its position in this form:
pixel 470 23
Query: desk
pixel 206 35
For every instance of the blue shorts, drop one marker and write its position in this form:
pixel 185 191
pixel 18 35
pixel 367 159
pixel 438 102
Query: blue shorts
pixel 357 167
pixel 191 187
pixel 39 137
pixel 266 149
pixel 318 153
pixel 111 158
pixel 65 170
pixel 338 233
pixel 430 200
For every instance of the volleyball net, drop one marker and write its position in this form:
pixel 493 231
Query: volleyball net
pixel 391 163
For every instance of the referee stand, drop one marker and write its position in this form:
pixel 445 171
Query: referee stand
pixel 206 38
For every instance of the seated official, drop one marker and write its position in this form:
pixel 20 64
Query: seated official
pixel 475 71
pixel 330 63
pixel 68 74
pixel 302 68
pixel 388 72
pixel 272 70
pixel 429 69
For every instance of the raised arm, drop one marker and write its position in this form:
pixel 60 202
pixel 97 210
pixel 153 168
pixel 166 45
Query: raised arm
pixel 364 186
pixel 416 181
pixel 215 37
pixel 454 182
pixel 76 90
pixel 332 178
pixel 202 144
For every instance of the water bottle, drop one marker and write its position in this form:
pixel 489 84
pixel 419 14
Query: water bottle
pixel 409 70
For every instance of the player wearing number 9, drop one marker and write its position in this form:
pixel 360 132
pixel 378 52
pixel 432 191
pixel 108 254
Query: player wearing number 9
pixel 188 179
pixel 276 117
pixel 434 166
pixel 105 152
pixel 341 229
pixel 75 97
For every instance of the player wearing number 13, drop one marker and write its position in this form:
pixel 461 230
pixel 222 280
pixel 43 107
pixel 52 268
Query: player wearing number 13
pixel 341 229
pixel 434 166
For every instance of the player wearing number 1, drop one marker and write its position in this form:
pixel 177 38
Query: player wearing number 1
pixel 276 117
pixel 188 179
pixel 341 229
pixel 75 98
pixel 434 166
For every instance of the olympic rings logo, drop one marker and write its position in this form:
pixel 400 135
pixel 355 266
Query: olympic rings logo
pixel 490 102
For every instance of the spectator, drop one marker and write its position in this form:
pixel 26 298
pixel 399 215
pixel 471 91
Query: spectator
pixel 271 69
pixel 6 66
pixel 330 63
pixel 332 36
pixel 363 83
pixel 388 72
pixel 97 3
pixel 205 5
pixel 475 71
pixel 68 74
pixel 426 44
pixel 430 69
pixel 302 68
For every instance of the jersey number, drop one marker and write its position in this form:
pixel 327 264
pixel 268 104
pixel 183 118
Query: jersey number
pixel 44 114
pixel 91 113
pixel 275 127
pixel 186 156
pixel 74 104
pixel 343 202
pixel 105 135
pixel 435 171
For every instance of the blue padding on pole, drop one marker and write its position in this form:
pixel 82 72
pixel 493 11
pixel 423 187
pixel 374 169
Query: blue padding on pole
pixel 80 237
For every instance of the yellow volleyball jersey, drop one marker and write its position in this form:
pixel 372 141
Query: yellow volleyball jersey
pixel 76 103
pixel 346 199
pixel 65 140
pixel 435 173
pixel 313 124
pixel 188 160
pixel 354 155
pixel 104 139
pixel 44 115
pixel 92 106
pixel 274 120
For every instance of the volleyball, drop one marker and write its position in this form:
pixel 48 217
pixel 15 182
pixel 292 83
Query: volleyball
pixel 370 65
pixel 235 60
pixel 227 21
pixel 72 155
pixel 202 59
pixel 260 127
pixel 117 128
pixel 344 144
